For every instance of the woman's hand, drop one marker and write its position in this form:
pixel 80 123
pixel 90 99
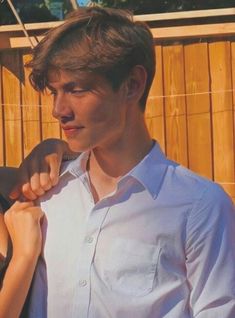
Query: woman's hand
pixel 23 222
pixel 40 169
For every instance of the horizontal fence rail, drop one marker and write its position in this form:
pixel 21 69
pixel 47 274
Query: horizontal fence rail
pixel 190 110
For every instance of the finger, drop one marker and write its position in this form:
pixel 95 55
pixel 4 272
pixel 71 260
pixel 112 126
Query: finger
pixel 18 205
pixel 45 181
pixel 35 184
pixel 27 191
pixel 31 188
pixel 22 177
pixel 15 192
pixel 27 169
pixel 54 176
pixel 36 211
pixel 33 168
pixel 54 162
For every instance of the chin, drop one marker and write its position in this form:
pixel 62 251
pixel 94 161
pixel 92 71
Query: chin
pixel 76 146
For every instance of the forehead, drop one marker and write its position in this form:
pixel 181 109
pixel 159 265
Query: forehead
pixel 57 75
pixel 57 79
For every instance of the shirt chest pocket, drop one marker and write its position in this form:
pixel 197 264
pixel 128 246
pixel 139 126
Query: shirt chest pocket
pixel 130 267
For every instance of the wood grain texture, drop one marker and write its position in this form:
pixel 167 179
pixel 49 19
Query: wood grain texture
pixel 175 107
pixel 232 186
pixel 222 111
pixel 50 126
pixel 193 31
pixel 30 111
pixel 11 77
pixel 155 105
pixel 198 108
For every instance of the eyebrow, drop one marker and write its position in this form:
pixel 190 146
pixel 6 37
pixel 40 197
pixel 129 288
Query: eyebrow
pixel 66 86
pixel 70 85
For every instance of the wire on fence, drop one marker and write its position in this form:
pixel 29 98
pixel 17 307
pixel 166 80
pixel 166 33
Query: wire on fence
pixel 149 98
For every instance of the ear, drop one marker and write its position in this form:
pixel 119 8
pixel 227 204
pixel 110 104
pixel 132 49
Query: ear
pixel 136 83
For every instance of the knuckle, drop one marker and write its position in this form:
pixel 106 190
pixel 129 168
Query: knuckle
pixel 26 188
pixel 52 158
pixel 54 179
pixel 46 184
pixel 27 192
pixel 7 215
pixel 36 189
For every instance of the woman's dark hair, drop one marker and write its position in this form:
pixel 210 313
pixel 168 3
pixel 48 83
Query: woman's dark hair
pixel 93 39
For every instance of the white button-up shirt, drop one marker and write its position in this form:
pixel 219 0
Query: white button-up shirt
pixel 161 245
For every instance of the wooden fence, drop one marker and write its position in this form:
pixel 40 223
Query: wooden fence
pixel 190 111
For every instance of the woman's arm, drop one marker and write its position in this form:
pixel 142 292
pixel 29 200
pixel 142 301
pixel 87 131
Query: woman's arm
pixel 3 239
pixel 22 221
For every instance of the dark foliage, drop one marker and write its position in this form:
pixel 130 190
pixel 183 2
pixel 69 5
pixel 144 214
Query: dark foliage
pixel 37 11
pixel 160 6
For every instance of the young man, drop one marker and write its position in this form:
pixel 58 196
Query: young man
pixel 128 233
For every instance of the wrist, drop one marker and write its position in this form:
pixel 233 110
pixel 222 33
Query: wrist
pixel 27 253
pixel 24 259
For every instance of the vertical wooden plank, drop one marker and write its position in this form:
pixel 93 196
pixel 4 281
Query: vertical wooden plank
pixel 231 186
pixel 198 108
pixel 2 161
pixel 30 111
pixel 154 113
pixel 222 111
pixel 175 108
pixel 50 126
pixel 12 111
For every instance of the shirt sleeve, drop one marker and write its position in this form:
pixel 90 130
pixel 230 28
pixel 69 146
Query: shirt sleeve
pixel 210 255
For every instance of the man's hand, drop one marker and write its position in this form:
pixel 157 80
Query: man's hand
pixel 40 169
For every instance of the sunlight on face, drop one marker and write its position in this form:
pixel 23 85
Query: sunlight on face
pixel 90 112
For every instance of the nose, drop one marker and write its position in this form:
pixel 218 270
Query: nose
pixel 61 107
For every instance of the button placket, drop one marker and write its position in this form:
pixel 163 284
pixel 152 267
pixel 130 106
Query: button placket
pixel 94 223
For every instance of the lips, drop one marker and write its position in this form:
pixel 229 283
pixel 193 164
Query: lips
pixel 71 130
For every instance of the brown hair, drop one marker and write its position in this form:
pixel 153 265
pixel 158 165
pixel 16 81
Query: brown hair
pixel 94 39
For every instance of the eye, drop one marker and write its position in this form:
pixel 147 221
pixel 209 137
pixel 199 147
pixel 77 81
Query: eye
pixel 77 91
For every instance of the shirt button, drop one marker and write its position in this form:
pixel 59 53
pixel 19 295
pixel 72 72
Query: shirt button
pixel 82 283
pixel 89 239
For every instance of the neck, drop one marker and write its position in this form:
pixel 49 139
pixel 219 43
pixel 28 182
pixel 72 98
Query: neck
pixel 117 159
pixel 109 162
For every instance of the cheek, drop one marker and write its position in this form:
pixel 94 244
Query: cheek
pixel 99 112
pixel 98 115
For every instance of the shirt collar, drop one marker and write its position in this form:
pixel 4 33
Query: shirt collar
pixel 76 167
pixel 150 171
